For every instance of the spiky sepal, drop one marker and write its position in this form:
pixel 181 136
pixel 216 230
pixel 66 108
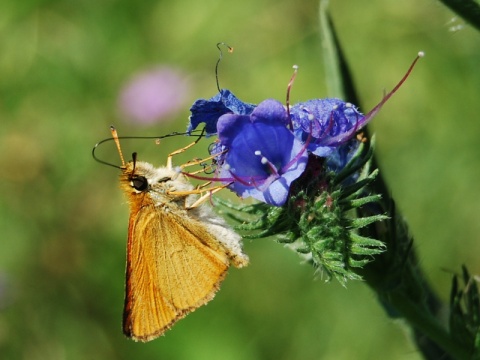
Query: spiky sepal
pixel 318 221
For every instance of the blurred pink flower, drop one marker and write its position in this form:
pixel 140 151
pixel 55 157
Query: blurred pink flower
pixel 154 95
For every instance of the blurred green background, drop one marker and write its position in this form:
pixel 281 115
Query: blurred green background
pixel 64 220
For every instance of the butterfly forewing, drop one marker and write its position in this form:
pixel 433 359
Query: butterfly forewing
pixel 173 267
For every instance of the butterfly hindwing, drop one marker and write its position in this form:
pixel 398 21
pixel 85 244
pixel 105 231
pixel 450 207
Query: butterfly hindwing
pixel 173 267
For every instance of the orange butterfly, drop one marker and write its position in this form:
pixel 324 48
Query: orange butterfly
pixel 178 249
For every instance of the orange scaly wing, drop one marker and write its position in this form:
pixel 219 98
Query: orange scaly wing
pixel 173 267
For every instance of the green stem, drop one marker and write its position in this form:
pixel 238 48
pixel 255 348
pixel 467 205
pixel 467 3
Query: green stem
pixel 426 324
pixel 395 275
pixel 400 283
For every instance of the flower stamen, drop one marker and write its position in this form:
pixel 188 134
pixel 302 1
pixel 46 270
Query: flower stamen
pixel 377 108
pixel 300 153
pixel 287 101
pixel 273 169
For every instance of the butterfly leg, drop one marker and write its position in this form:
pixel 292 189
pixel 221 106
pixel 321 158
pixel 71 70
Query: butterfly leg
pixel 200 161
pixel 206 196
pixel 204 185
pixel 207 193
pixel 179 151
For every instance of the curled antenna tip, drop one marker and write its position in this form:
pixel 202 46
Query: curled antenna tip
pixel 421 54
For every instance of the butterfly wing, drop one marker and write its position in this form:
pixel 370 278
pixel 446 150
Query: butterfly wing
pixel 173 267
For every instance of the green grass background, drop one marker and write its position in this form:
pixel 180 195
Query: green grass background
pixel 63 220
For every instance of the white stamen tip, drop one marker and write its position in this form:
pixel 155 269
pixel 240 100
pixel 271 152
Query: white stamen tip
pixel 421 54
pixel 335 107
pixel 264 160
pixel 348 105
pixel 258 153
pixel 310 117
pixel 226 167
pixel 295 67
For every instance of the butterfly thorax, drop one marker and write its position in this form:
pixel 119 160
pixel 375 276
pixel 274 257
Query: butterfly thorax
pixel 146 185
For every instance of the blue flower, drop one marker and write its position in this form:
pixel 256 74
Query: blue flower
pixel 262 156
pixel 208 111
pixel 327 123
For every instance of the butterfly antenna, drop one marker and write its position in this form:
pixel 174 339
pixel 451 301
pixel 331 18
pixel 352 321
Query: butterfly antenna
pixel 117 142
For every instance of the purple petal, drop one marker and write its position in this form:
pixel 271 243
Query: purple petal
pixel 263 157
pixel 209 111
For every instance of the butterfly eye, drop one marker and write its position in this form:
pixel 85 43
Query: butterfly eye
pixel 139 183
